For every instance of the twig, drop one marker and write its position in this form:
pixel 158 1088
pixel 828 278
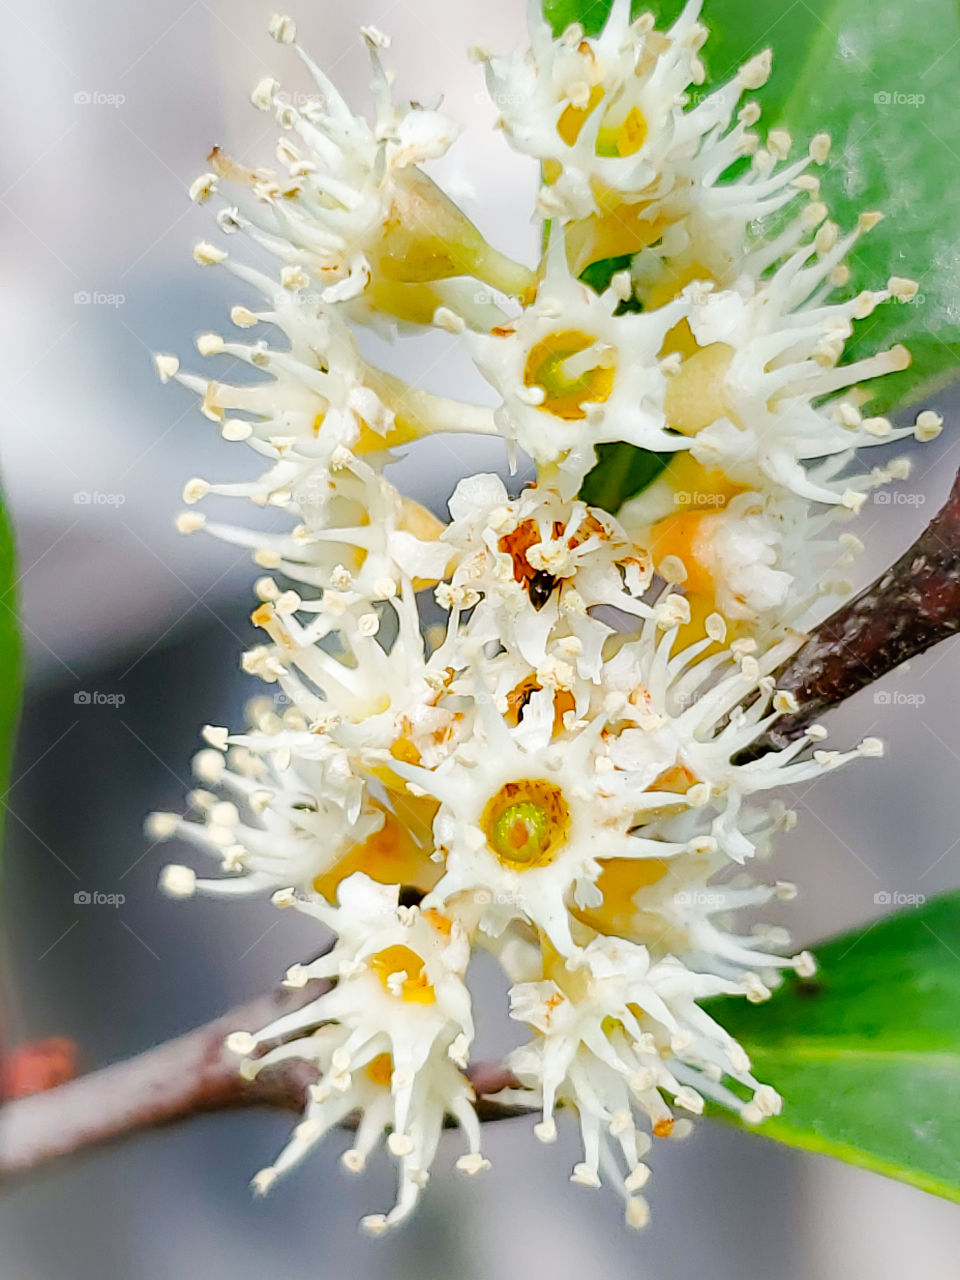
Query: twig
pixel 175 1080
pixel 912 606
pixel 169 1083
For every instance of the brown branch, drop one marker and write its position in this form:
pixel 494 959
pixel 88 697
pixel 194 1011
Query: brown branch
pixel 912 606
pixel 182 1078
pixel 170 1082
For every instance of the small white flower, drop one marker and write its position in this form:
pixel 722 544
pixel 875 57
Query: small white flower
pixel 352 210
pixel 572 373
pixel 383 1047
pixel 271 820
pixel 359 538
pixel 731 558
pixel 367 694
pixel 539 565
pixel 749 396
pixel 323 395
pixel 601 113
pixel 521 826
pixel 624 153
pixel 613 1036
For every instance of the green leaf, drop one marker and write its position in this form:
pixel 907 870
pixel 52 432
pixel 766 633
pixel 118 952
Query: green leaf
pixel 832 58
pixel 737 32
pixel 867 1054
pixel 591 14
pixel 901 157
pixel 599 274
pixel 621 470
pixel 11 658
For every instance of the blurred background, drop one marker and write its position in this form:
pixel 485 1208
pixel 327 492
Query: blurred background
pixel 134 636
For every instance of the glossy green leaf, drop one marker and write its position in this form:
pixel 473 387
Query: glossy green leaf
pixel 737 32
pixel 867 1054
pixel 882 79
pixel 11 671
pixel 621 470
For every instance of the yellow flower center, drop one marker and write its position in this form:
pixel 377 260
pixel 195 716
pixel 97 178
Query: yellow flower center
pixel 572 369
pixel 620 229
pixel 526 823
pixel 700 494
pixel 572 119
pixel 380 1069
pixel 520 695
pixel 623 137
pixel 399 853
pixel 574 983
pixel 620 880
pixel 696 395
pixel 414 986
pixel 679 536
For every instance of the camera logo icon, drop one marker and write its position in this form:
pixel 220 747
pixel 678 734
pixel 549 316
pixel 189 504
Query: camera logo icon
pixel 882 99
pixel 82 898
pixel 82 98
pixel 899 898
pixel 81 698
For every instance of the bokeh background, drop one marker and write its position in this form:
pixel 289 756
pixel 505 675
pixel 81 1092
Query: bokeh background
pixel 110 109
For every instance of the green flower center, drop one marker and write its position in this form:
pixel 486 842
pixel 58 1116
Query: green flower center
pixel 525 823
pixel 521 833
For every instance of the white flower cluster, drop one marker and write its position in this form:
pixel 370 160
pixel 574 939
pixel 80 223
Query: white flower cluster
pixel 550 772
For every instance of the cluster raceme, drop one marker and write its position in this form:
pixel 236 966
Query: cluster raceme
pixel 525 727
